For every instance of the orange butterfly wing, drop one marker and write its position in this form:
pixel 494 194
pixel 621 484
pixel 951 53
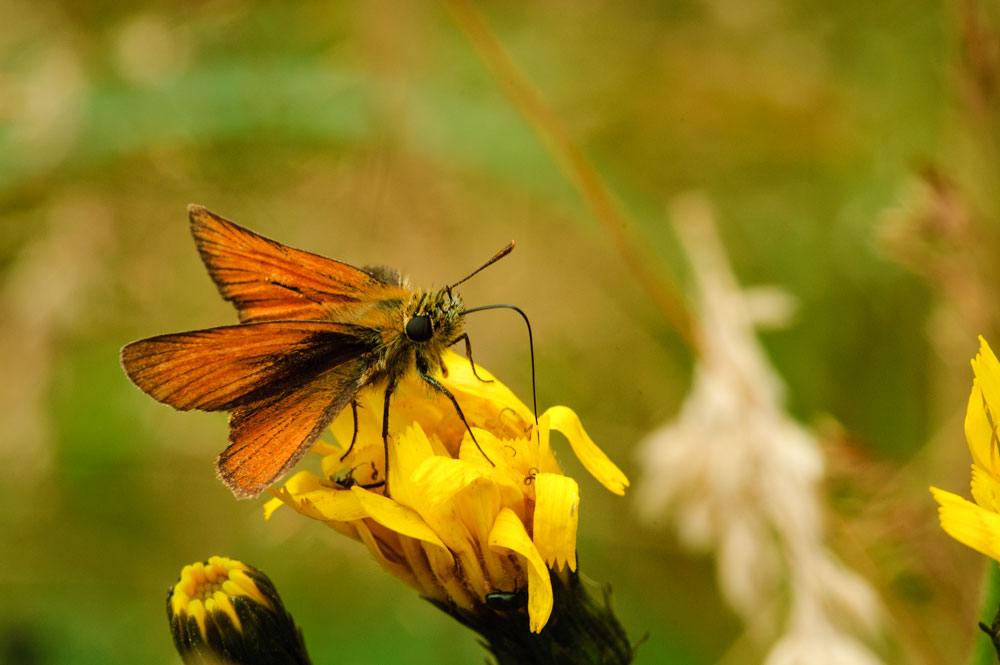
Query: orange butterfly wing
pixel 219 369
pixel 311 330
pixel 268 281
pixel 284 382
pixel 267 438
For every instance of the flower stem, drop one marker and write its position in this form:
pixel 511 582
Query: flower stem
pixel 582 631
pixel 987 652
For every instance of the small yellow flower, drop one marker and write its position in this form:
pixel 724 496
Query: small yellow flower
pixel 224 611
pixel 978 524
pixel 454 526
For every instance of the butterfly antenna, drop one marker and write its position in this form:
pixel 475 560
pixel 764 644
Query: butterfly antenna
pixel 496 257
pixel 531 343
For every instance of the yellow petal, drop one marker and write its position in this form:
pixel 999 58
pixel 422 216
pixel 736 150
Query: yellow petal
pixel 406 454
pixel 272 505
pixel 979 430
pixel 508 533
pixel 196 609
pixel 513 459
pixel 241 584
pixel 985 488
pixel 491 394
pixel 968 523
pixel 443 477
pixel 449 493
pixel 557 510
pixel 563 419
pixel 411 449
pixel 361 468
pixel 413 403
pixel 221 602
pixel 449 575
pixel 392 515
pixel 987 371
pixel 306 493
pixel 414 554
pixel 369 421
pixel 382 551
pixel 474 507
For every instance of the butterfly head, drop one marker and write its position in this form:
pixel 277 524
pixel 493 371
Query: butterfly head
pixel 435 318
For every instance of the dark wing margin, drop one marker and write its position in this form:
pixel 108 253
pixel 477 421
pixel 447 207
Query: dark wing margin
pixel 269 281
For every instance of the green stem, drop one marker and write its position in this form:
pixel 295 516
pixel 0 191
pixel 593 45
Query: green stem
pixel 581 631
pixel 986 650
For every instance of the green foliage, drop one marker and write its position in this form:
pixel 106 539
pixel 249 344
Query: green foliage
pixel 373 134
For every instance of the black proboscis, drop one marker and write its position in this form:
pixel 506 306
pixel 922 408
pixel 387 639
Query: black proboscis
pixel 531 347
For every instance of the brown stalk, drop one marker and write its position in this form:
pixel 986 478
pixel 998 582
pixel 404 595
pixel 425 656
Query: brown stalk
pixel 571 159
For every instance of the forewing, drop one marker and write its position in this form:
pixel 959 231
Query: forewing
pixel 267 438
pixel 268 281
pixel 220 369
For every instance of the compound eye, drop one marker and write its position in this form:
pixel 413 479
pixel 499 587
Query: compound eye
pixel 419 329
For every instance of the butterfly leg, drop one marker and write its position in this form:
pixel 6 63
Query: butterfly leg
pixel 385 430
pixel 367 486
pixel 468 354
pixel 348 481
pixel 354 437
pixel 374 483
pixel 345 480
pixel 436 385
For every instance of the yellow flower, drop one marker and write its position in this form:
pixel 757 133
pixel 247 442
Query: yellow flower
pixel 978 524
pixel 460 521
pixel 224 611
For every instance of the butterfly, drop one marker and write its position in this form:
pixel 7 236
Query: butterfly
pixel 313 332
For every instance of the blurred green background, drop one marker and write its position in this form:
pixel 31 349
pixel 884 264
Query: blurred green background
pixel 372 133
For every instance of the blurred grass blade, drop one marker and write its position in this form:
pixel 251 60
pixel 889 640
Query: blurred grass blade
pixel 530 103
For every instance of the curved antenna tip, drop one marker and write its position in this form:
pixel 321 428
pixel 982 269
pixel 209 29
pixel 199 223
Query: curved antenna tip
pixel 496 257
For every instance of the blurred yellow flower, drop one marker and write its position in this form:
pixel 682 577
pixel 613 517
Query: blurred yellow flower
pixel 978 524
pixel 452 525
pixel 224 611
